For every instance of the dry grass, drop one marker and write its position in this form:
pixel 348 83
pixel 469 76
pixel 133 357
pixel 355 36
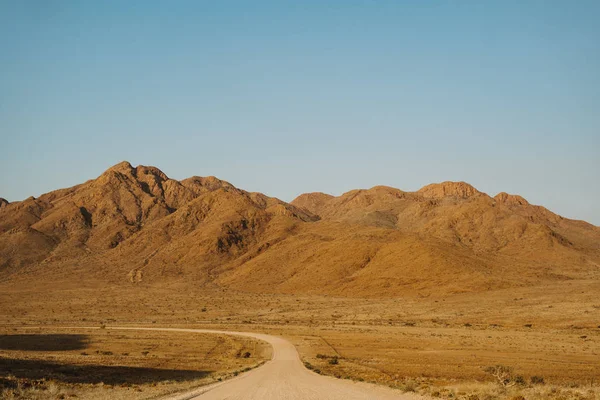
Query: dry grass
pixel 492 391
pixel 435 346
pixel 386 354
pixel 103 363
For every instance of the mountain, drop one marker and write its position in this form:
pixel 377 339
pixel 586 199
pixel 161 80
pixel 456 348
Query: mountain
pixel 136 226
pixel 125 205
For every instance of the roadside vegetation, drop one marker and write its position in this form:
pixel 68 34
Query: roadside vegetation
pixel 503 384
pixel 438 346
pixel 104 363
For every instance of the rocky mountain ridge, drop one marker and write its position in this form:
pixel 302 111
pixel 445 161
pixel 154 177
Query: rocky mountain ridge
pixel 135 225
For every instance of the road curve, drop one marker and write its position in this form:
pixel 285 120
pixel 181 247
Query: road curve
pixel 284 377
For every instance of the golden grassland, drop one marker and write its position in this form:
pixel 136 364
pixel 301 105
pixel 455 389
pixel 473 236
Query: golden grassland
pixel 47 363
pixel 439 347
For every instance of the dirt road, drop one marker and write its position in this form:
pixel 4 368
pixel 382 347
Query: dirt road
pixel 284 377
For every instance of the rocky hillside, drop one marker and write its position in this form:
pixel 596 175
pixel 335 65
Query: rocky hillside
pixel 136 226
pixel 128 205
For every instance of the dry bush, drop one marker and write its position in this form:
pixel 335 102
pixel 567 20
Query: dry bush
pixel 537 380
pixel 503 375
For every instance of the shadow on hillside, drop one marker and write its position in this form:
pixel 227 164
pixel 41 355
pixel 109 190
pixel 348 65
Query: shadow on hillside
pixel 92 374
pixel 46 342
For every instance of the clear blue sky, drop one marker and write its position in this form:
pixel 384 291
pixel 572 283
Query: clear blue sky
pixel 285 97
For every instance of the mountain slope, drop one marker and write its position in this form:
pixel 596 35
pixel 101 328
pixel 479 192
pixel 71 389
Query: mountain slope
pixel 136 226
pixel 97 216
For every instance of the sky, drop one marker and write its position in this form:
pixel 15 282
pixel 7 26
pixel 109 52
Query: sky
pixel 286 97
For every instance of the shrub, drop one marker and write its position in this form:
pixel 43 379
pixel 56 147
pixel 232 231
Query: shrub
pixel 334 360
pixel 503 375
pixel 537 380
pixel 409 386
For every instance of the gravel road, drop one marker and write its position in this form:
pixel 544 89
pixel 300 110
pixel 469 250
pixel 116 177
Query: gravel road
pixel 284 377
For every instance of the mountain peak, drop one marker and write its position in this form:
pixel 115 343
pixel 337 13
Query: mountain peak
pixel 123 167
pixel 312 202
pixel 511 199
pixel 314 196
pixel 449 189
pixel 149 170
